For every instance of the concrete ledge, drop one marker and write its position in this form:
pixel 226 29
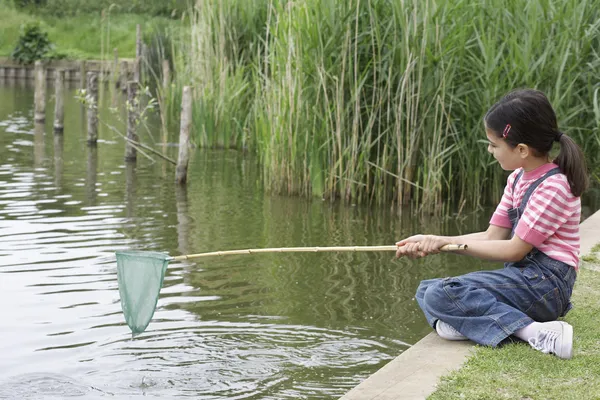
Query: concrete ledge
pixel 415 373
pixel 590 233
pixel 10 69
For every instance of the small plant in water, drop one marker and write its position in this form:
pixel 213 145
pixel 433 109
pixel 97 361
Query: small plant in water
pixel 88 101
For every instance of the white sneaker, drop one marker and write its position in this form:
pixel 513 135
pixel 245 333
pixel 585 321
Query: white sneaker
pixel 448 332
pixel 555 337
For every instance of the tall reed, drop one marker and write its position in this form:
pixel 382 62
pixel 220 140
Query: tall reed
pixel 381 101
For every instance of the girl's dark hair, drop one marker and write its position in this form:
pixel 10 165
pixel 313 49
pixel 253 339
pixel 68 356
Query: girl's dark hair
pixel 532 121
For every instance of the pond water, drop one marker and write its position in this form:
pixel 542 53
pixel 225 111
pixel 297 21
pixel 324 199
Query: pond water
pixel 268 326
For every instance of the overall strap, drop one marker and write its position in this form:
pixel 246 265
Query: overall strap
pixel 534 186
pixel 517 180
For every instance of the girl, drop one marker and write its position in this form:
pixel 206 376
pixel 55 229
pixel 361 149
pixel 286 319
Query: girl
pixel 534 230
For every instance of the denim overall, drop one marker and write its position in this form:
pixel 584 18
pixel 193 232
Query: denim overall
pixel 489 306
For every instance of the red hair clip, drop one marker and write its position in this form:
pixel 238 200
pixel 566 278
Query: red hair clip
pixel 506 130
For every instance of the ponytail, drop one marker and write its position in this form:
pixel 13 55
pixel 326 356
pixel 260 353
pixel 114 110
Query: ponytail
pixel 571 162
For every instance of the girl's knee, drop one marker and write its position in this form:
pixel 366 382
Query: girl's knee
pixel 434 294
pixel 423 287
pixel 440 297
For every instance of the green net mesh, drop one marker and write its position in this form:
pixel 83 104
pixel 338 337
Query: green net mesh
pixel 140 276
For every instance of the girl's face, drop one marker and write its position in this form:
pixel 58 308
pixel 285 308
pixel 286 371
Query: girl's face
pixel 509 158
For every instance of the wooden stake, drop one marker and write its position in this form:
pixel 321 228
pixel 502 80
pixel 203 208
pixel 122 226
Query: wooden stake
pixel 59 105
pixel 115 68
pixel 40 92
pixel 184 136
pixel 133 114
pixel 92 108
pixel 123 75
pixel 138 53
pixel 82 74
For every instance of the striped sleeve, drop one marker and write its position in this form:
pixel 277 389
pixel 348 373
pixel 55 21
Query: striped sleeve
pixel 550 208
pixel 500 216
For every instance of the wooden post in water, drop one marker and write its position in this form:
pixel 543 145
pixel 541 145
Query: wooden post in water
pixel 138 54
pixel 92 108
pixel 114 74
pixel 40 92
pixel 184 136
pixel 123 75
pixel 166 74
pixel 133 114
pixel 59 105
pixel 82 74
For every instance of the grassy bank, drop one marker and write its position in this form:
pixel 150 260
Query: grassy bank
pixel 380 101
pixel 518 372
pixel 83 36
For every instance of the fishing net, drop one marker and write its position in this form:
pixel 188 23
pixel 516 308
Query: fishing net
pixel 140 276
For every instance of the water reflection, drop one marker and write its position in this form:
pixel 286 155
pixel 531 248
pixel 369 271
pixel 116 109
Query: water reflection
pixel 91 180
pixel 59 141
pixel 183 219
pixel 38 145
pixel 130 189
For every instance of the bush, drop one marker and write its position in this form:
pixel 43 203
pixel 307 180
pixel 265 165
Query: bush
pixel 33 45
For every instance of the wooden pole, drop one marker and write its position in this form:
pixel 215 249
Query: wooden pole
pixel 40 92
pixel 138 53
pixel 448 247
pixel 82 74
pixel 59 105
pixel 184 136
pixel 123 75
pixel 92 108
pixel 166 74
pixel 133 114
pixel 115 68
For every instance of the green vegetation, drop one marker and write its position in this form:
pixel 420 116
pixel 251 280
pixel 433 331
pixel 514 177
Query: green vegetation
pixel 371 101
pixel 69 8
pixel 380 101
pixel 33 45
pixel 85 36
pixel 594 255
pixel 518 372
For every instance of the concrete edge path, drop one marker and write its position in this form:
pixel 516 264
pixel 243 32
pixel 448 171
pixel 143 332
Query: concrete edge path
pixel 415 373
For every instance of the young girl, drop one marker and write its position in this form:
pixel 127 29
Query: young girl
pixel 534 230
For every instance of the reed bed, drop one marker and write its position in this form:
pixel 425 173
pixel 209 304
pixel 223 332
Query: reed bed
pixel 381 101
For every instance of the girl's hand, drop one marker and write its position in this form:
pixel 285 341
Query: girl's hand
pixel 420 245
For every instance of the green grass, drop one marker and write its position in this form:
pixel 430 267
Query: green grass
pixel 518 372
pixel 79 37
pixel 594 256
pixel 378 101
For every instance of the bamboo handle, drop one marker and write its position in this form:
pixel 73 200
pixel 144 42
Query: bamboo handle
pixel 448 247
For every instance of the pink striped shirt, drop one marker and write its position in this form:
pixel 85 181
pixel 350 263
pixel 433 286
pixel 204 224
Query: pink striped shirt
pixel 550 221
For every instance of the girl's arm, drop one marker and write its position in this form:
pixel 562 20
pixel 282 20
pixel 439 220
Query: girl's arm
pixel 493 232
pixel 494 250
pixel 490 245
